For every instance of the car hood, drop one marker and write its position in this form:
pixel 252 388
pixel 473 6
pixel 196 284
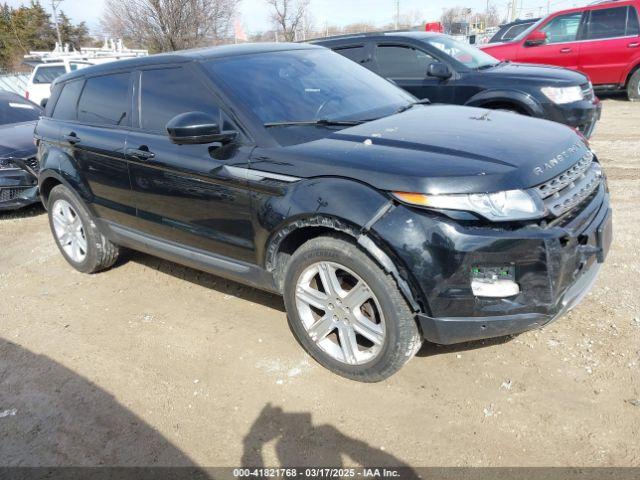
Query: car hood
pixel 542 74
pixel 16 140
pixel 436 149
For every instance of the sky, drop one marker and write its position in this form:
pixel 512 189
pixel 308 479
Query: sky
pixel 255 15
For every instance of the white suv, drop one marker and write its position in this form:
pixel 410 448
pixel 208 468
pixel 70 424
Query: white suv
pixel 43 75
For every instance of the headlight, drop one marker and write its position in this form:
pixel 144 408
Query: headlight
pixel 510 205
pixel 563 95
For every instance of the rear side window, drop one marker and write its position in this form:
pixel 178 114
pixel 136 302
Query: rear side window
pixel 612 23
pixel 357 54
pixel 402 62
pixel 168 92
pixel 68 101
pixel 105 100
pixel 563 28
pixel 48 74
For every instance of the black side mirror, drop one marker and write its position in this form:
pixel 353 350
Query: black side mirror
pixel 439 70
pixel 197 128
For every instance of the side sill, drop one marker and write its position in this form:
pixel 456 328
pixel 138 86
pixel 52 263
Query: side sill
pixel 226 267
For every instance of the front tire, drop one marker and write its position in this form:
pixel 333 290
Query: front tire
pixel 76 233
pixel 633 87
pixel 347 312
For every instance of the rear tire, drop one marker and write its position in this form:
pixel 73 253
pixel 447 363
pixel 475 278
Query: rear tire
pixel 633 87
pixel 360 327
pixel 76 233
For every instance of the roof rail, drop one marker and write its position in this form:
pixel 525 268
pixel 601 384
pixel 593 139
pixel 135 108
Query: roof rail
pixel 362 34
pixel 600 2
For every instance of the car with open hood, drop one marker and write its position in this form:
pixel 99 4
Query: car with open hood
pixel 380 220
pixel 18 164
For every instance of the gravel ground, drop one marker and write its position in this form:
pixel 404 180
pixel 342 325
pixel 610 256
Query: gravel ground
pixel 151 363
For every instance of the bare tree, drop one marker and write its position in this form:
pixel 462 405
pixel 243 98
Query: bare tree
pixel 167 25
pixel 289 16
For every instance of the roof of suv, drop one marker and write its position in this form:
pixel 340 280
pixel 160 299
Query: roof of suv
pixel 399 33
pixel 186 56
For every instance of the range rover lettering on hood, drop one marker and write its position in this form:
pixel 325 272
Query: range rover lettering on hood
pixel 562 157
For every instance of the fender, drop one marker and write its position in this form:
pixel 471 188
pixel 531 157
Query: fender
pixel 328 205
pixel 522 99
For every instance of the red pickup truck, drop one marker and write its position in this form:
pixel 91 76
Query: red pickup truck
pixel 601 40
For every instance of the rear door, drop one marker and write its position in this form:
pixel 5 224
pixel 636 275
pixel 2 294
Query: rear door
pixel 407 67
pixel 562 47
pixel 610 44
pixel 97 139
pixel 186 193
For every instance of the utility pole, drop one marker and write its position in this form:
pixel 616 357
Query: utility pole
pixel 54 7
pixel 397 14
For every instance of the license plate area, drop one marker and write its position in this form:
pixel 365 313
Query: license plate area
pixel 604 237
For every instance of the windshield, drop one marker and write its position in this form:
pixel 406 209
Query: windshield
pixel 306 85
pixel 468 55
pixel 15 110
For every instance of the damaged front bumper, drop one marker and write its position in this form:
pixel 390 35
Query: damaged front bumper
pixel 18 184
pixel 554 266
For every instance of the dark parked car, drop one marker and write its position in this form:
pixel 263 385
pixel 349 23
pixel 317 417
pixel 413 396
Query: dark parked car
pixel 18 165
pixel 291 169
pixel 511 30
pixel 443 70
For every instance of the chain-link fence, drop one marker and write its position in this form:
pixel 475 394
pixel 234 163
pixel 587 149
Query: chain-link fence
pixel 13 81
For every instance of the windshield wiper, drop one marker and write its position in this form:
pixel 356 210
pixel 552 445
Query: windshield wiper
pixel 320 123
pixel 404 108
pixel 493 65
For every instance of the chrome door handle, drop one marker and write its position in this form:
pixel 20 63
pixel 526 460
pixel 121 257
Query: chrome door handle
pixel 140 154
pixel 634 45
pixel 71 138
pixel 565 50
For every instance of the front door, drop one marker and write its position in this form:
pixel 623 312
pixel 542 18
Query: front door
pixel 186 193
pixel 561 48
pixel 407 67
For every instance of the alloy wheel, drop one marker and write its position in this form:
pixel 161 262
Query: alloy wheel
pixel 340 313
pixel 69 230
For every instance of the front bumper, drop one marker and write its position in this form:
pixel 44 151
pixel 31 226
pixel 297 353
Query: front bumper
pixel 18 188
pixel 582 116
pixel 555 266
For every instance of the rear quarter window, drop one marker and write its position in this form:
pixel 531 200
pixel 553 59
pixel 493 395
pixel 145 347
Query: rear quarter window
pixel 357 54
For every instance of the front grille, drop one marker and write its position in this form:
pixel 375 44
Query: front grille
pixel 573 186
pixel 587 91
pixel 8 194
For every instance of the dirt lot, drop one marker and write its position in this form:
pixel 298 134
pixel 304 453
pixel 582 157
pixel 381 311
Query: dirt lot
pixel 151 363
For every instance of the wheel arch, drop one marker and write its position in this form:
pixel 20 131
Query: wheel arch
pixel 520 101
pixel 632 70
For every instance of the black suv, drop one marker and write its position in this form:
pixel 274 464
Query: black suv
pixel 443 70
pixel 290 168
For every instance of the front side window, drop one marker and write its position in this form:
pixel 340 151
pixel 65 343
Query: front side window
pixel 168 92
pixel 305 85
pixel 468 55
pixel 68 101
pixel 48 74
pixel 105 100
pixel 396 61
pixel 608 23
pixel 16 110
pixel 563 28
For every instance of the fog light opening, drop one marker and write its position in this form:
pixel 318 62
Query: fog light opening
pixel 494 282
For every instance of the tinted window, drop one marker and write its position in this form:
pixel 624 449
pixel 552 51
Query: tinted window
pixel 16 110
pixel 48 74
pixel 514 31
pixel 105 100
pixel 402 62
pixel 68 100
pixel 563 28
pixel 170 92
pixel 607 23
pixel 633 28
pixel 357 54
pixel 464 53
